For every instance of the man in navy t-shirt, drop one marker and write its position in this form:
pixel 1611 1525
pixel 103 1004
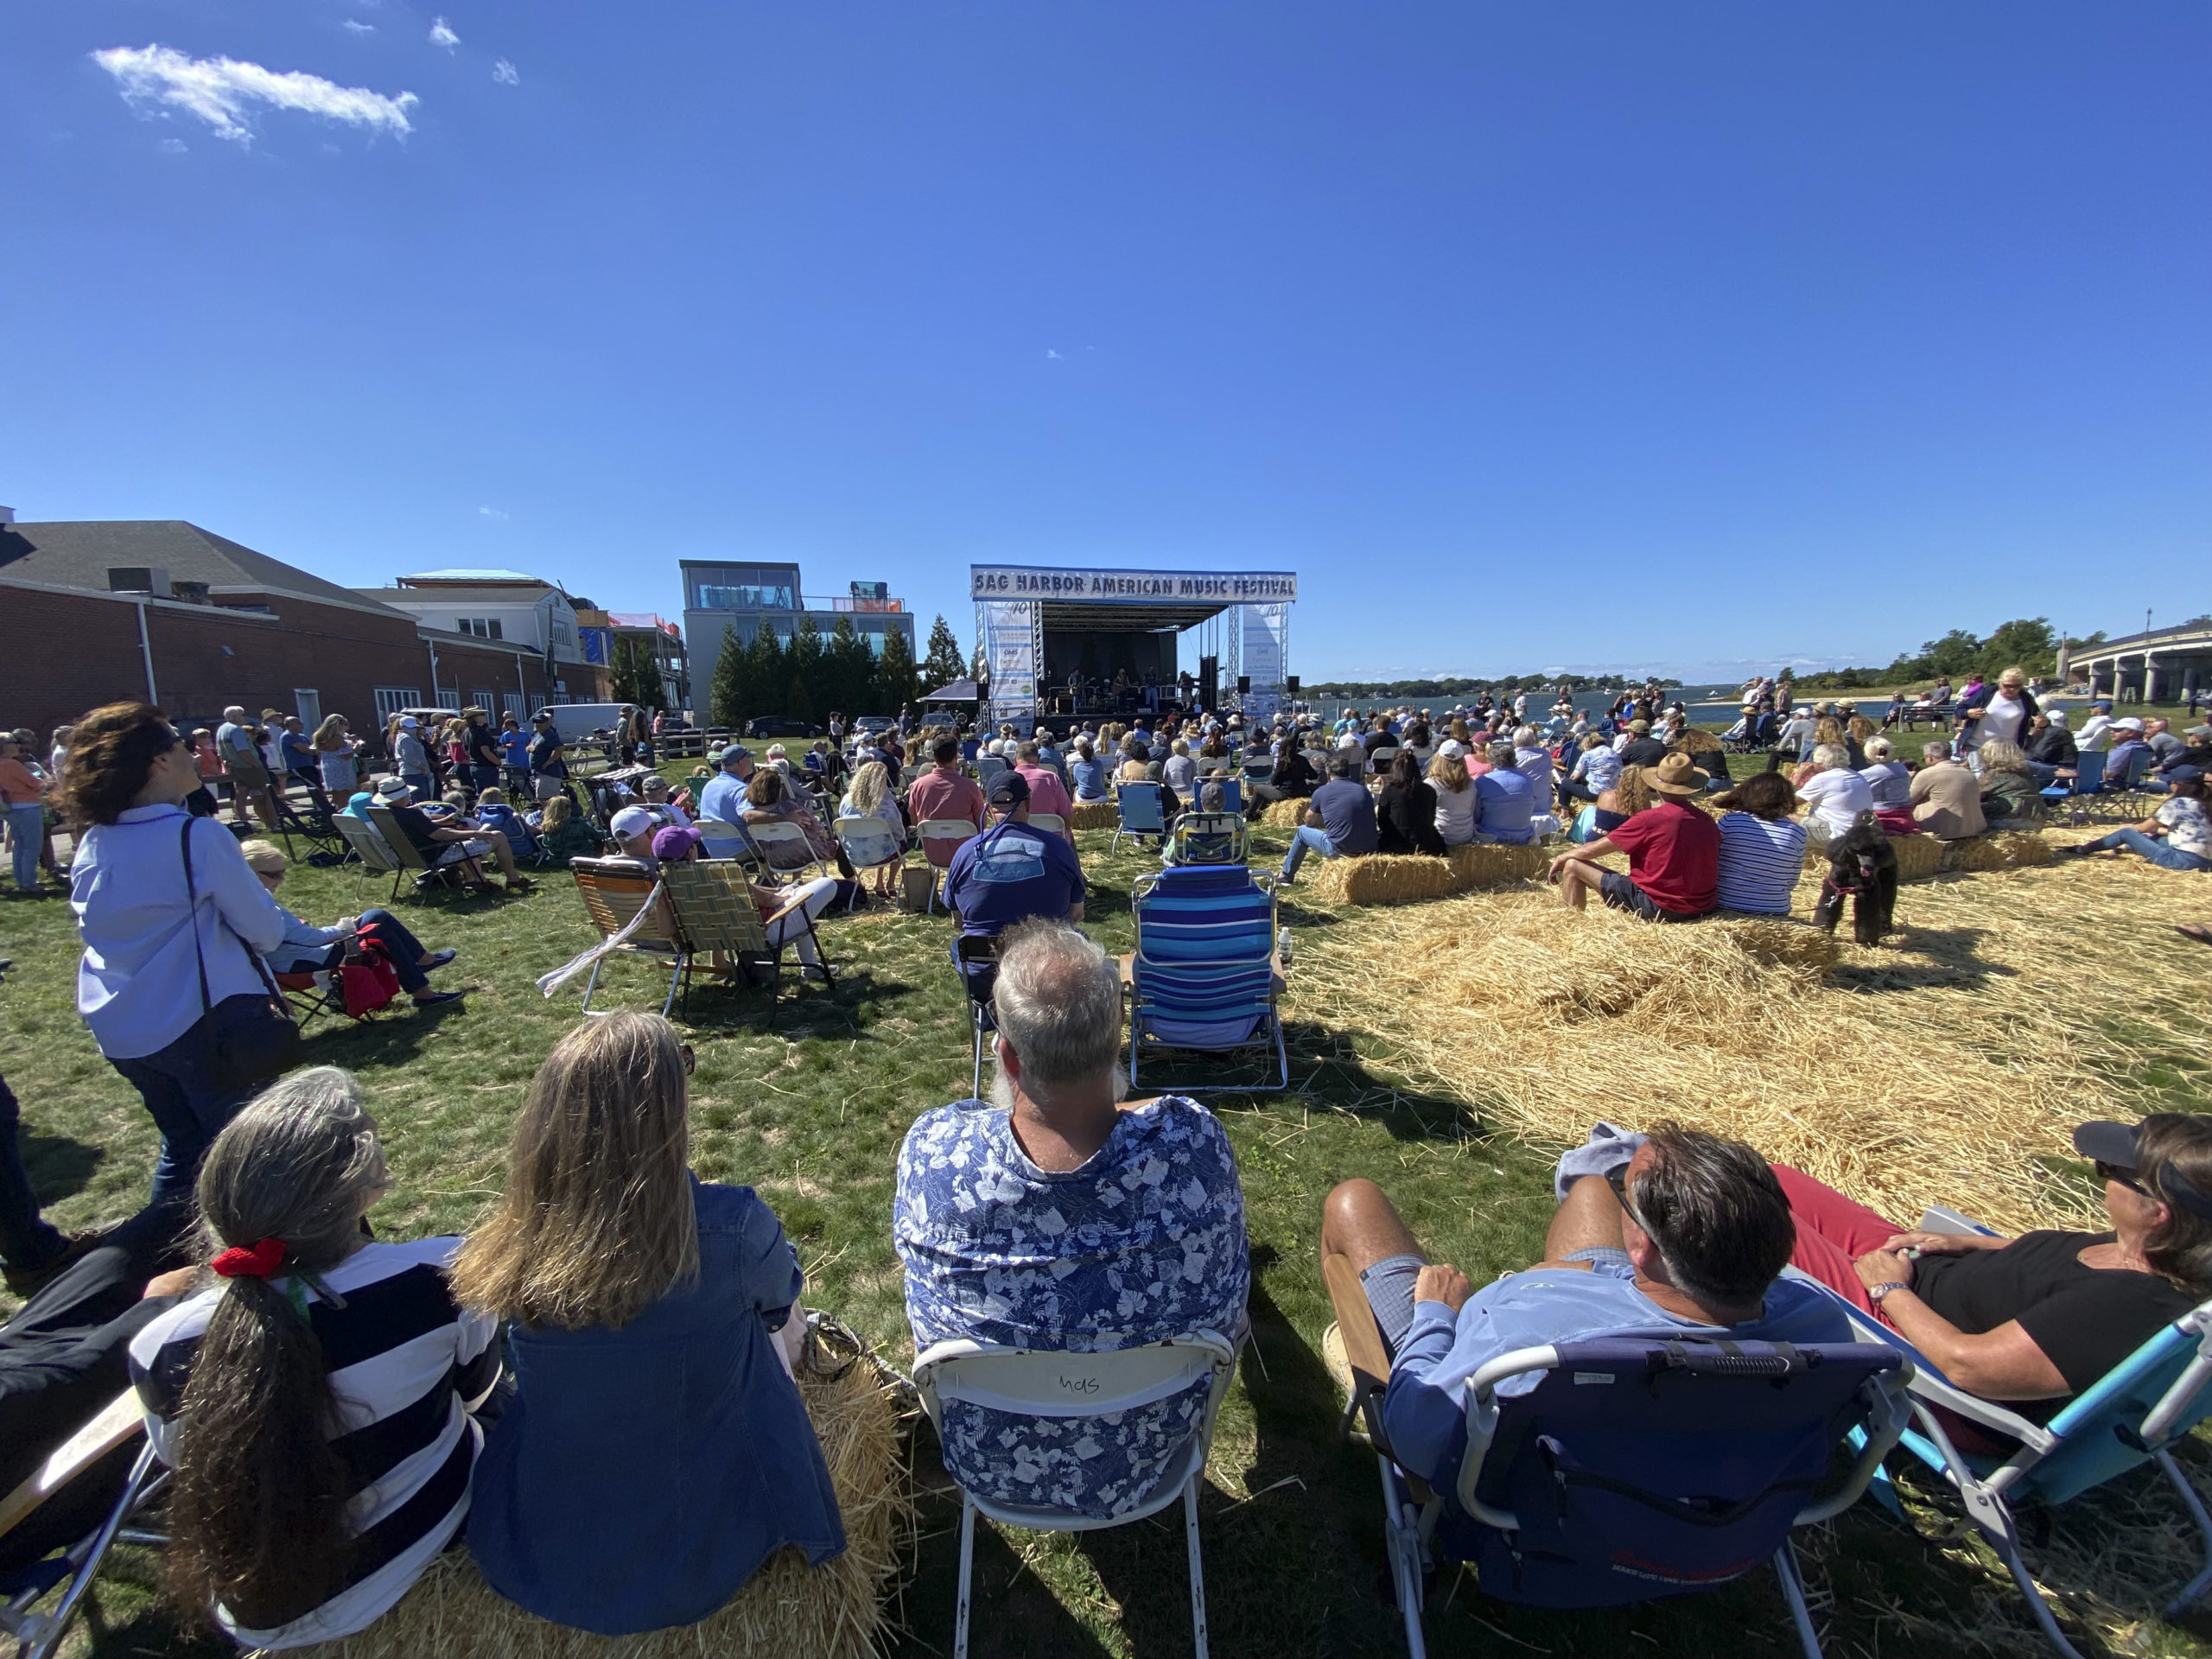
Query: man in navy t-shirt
pixel 1339 819
pixel 1011 871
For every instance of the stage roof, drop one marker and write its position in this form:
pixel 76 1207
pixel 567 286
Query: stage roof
pixel 1073 616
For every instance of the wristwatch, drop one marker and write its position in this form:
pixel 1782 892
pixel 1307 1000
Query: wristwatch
pixel 1876 1293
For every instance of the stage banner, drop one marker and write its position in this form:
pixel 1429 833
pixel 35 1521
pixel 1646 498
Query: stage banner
pixel 1266 649
pixel 1009 629
pixel 1103 585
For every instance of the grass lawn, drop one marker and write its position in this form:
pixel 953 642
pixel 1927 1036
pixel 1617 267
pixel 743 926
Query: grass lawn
pixel 809 1105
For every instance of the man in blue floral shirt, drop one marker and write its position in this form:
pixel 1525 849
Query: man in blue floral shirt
pixel 1058 1217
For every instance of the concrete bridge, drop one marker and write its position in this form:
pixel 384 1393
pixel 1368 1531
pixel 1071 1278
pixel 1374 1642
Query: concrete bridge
pixel 2164 666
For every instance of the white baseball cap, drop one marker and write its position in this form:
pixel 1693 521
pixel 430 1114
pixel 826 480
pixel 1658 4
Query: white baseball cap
pixel 631 820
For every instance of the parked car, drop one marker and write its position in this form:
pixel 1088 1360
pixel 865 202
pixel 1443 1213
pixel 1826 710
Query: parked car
pixel 778 725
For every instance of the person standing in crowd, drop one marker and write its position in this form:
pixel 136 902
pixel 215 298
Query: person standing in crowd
pixel 549 772
pixel 1998 713
pixel 162 901
pixel 23 794
pixel 481 744
pixel 337 758
pixel 240 753
pixel 514 757
pixel 410 756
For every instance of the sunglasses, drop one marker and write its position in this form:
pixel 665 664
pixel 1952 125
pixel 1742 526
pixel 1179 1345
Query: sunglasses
pixel 2125 1176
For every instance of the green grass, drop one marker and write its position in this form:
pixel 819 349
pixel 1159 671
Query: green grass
pixel 809 1104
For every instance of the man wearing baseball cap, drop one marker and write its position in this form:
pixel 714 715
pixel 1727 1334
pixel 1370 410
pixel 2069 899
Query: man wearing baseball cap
pixel 436 839
pixel 1674 853
pixel 722 796
pixel 1011 871
pixel 2177 837
pixel 2034 1320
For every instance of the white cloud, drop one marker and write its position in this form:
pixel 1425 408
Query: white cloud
pixel 491 512
pixel 441 34
pixel 506 73
pixel 172 146
pixel 223 92
pixel 355 26
pixel 1052 355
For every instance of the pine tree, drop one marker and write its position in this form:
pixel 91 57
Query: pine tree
pixel 636 674
pixel 944 662
pixel 849 670
pixel 894 673
pixel 732 688
pixel 769 674
pixel 803 672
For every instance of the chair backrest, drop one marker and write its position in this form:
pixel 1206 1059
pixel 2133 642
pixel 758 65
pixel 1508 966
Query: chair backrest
pixel 1257 766
pixel 1645 1465
pixel 1051 822
pixel 1055 1385
pixel 712 902
pixel 613 891
pixel 1208 838
pixel 1140 808
pixel 720 840
pixel 870 843
pixel 2156 1395
pixel 2089 772
pixel 988 767
pixel 2139 766
pixel 1204 964
pixel 409 855
pixel 1380 759
pixel 941 839
pixel 784 846
pixel 368 843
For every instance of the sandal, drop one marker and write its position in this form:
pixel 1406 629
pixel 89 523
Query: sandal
pixel 2196 930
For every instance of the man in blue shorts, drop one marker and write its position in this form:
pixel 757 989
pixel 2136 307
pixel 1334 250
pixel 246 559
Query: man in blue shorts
pixel 1679 1231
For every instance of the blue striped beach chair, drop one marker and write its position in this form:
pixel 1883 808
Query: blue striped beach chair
pixel 1202 977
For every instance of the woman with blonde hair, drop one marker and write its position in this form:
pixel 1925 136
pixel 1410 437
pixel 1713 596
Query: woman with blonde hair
pixel 870 796
pixel 313 1402
pixel 2009 789
pixel 657 1451
pixel 334 752
pixel 1455 794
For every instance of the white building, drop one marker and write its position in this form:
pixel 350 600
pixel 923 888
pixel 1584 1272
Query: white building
pixel 504 606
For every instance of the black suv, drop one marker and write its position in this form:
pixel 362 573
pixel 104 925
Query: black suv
pixel 777 726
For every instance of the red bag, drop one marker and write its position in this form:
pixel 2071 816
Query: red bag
pixel 367 980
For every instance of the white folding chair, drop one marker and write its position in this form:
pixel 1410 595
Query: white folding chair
pixel 720 840
pixel 941 839
pixel 1051 822
pixel 1032 1382
pixel 869 844
pixel 368 846
pixel 785 850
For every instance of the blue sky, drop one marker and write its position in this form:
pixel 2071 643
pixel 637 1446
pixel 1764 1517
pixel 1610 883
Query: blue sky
pixel 1619 335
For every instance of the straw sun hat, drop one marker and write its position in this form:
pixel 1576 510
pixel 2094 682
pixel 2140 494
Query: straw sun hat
pixel 1676 775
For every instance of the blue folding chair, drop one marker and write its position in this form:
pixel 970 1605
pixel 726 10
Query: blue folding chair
pixel 1202 977
pixel 1636 1466
pixel 2132 1416
pixel 2089 777
pixel 1142 812
pixel 2129 784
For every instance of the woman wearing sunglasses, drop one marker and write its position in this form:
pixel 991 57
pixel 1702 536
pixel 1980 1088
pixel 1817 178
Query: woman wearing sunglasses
pixel 2036 1320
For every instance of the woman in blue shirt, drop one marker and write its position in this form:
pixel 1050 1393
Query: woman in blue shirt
pixel 657 1451
pixel 1088 772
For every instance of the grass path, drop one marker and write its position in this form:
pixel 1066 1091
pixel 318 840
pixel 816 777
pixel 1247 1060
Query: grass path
pixel 809 1104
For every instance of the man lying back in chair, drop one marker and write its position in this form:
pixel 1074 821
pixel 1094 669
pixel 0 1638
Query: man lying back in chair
pixel 1686 1234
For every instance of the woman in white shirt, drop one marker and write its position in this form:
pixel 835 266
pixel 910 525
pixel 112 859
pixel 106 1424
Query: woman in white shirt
pixel 1835 794
pixel 1455 794
pixel 1890 779
pixel 2004 716
pixel 149 935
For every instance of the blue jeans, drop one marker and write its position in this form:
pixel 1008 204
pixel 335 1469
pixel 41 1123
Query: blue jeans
pixel 2134 840
pixel 27 827
pixel 187 1104
pixel 420 783
pixel 1308 840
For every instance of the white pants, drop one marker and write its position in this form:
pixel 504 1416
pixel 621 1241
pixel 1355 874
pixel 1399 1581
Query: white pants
pixel 815 897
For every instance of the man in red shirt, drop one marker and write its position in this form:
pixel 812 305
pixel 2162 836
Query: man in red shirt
pixel 1046 792
pixel 1674 854
pixel 944 791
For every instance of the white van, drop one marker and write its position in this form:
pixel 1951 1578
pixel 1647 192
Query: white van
pixel 574 721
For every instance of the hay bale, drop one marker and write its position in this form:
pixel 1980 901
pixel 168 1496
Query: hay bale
pixel 1382 879
pixel 2002 849
pixel 1779 942
pixel 1094 814
pixel 1489 864
pixel 835 1611
pixel 1284 814
pixel 1919 857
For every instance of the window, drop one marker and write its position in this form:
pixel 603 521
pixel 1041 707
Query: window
pixel 449 696
pixel 484 628
pixel 745 597
pixel 562 634
pixel 390 699
pixel 516 704
pixel 487 700
pixel 309 705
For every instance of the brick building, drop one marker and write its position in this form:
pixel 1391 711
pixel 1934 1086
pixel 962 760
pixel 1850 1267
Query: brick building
pixel 101 611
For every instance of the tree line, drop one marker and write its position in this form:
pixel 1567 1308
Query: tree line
pixel 2029 642
pixel 813 675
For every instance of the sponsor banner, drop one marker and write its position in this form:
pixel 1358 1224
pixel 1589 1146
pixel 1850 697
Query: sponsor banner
pixel 1009 644
pixel 1264 629
pixel 1106 586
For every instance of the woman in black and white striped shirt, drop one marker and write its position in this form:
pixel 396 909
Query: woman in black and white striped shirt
pixel 315 1403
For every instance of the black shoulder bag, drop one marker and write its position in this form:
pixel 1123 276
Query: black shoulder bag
pixel 252 1036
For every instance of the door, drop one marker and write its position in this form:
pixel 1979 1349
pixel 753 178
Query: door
pixel 308 704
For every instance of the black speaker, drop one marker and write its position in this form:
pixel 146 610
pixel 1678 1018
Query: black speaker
pixel 1290 685
pixel 1243 684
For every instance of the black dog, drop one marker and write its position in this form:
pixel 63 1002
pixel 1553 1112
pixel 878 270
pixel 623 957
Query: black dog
pixel 1864 865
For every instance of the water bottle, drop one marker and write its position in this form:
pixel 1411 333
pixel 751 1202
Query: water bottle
pixel 1282 948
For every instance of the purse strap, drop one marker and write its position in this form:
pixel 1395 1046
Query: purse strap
pixel 192 894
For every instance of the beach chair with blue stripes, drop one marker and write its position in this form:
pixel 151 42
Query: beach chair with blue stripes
pixel 1202 977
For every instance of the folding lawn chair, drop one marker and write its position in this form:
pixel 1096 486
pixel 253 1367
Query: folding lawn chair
pixel 2135 1414
pixel 2089 778
pixel 2129 787
pixel 72 1473
pixel 614 892
pixel 1378 760
pixel 445 873
pixel 941 839
pixel 1051 822
pixel 711 901
pixel 981 953
pixel 367 844
pixel 1257 768
pixel 1636 1466
pixel 988 767
pixel 720 840
pixel 1206 838
pixel 1142 812
pixel 870 844
pixel 785 852
pixel 1063 1385
pixel 1232 791
pixel 1202 977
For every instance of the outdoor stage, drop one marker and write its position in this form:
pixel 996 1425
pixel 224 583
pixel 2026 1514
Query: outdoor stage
pixel 1100 644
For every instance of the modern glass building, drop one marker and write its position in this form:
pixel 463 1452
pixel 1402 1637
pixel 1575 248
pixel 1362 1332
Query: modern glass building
pixel 737 596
